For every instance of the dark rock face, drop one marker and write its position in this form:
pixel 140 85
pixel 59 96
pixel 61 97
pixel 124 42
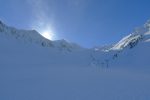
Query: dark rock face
pixel 134 42
pixel 1 26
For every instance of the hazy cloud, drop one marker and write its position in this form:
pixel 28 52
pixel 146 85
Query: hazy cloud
pixel 42 21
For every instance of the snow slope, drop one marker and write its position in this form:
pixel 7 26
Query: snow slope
pixel 32 36
pixel 34 68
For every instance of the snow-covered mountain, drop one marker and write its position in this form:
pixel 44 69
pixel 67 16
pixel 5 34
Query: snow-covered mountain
pixel 137 41
pixel 33 46
pixel 35 68
pixel 141 34
pixel 32 36
pixel 133 49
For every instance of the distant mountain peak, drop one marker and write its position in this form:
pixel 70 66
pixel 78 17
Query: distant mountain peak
pixel 33 36
pixel 141 34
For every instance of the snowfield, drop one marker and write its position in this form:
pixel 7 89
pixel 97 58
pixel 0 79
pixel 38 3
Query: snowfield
pixel 37 82
pixel 34 68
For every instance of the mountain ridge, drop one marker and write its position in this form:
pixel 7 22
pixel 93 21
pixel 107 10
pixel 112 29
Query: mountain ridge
pixel 34 37
pixel 31 71
pixel 99 56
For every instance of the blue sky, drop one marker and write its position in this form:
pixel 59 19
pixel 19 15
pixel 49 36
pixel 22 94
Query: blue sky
pixel 86 22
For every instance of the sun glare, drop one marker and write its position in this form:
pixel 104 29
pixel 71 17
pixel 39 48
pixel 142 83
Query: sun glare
pixel 46 30
pixel 48 35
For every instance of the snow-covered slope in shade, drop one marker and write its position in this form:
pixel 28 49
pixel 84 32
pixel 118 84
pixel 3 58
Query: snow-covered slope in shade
pixel 36 49
pixel 32 36
pixel 34 68
pixel 132 50
pixel 103 56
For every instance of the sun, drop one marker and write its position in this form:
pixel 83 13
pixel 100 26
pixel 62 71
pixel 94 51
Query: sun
pixel 46 30
pixel 48 35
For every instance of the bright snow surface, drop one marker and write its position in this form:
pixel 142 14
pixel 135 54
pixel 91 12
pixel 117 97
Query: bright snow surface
pixel 33 68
